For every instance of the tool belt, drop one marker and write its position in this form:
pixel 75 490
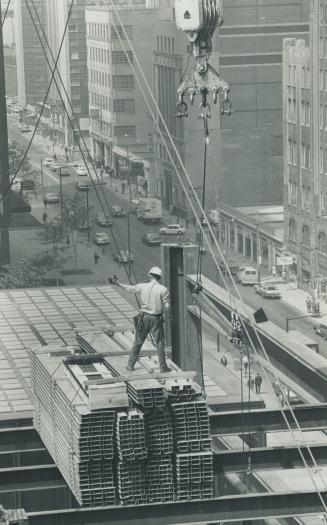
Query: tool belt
pixel 139 318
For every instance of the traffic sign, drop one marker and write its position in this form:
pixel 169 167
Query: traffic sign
pixel 285 260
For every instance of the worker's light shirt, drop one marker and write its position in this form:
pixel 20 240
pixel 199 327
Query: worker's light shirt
pixel 152 296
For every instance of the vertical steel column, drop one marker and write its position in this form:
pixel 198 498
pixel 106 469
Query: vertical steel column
pixel 4 163
pixel 177 263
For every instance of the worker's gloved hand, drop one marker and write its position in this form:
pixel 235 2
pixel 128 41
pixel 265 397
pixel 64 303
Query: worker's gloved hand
pixel 113 280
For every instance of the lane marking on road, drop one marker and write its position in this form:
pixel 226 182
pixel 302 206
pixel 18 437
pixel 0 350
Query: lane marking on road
pixel 46 172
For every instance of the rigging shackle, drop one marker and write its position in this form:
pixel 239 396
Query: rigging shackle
pixel 226 105
pixel 181 109
pixel 205 115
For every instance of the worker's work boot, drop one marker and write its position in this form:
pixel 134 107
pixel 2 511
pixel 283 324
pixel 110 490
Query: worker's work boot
pixel 130 369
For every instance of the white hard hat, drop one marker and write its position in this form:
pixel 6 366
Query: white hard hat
pixel 155 270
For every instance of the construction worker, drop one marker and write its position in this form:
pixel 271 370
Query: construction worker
pixel 154 300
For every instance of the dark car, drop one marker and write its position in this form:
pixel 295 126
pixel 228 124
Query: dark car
pixel 151 239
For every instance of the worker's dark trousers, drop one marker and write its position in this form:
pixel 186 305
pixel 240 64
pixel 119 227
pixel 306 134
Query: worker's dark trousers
pixel 146 324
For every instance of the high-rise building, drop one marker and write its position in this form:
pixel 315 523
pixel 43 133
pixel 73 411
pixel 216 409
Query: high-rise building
pixel 305 152
pixel 32 70
pixel 248 52
pixel 118 112
pixel 72 66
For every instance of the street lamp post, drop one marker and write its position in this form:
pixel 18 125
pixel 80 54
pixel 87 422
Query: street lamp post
pixel 258 249
pixel 87 214
pixel 61 195
pixel 42 179
pixel 129 244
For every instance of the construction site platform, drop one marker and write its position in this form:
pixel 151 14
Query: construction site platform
pixel 30 318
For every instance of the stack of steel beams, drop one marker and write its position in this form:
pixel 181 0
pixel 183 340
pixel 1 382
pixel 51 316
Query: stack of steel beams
pixel 193 456
pixel 160 479
pixel 194 475
pixel 131 482
pixel 81 441
pixel 130 435
pixel 147 393
pixel 182 390
pixel 159 432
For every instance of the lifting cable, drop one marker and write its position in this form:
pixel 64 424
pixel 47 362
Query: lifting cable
pixel 233 298
pixel 6 13
pixel 43 104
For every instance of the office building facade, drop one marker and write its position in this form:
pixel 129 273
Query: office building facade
pixel 305 152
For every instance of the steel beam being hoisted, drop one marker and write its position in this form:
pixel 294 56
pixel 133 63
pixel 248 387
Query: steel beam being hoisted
pixel 199 19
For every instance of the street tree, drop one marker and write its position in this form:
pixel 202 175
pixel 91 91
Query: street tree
pixel 53 235
pixel 27 272
pixel 75 221
pixel 23 169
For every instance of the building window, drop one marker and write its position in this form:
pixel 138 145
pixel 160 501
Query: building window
pixel 322 247
pixel 123 82
pixel 306 156
pixel 292 152
pixel 292 229
pixel 305 235
pixel 124 105
pixel 122 57
pixel 125 131
pixel 121 32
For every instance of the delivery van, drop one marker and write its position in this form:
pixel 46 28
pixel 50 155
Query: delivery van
pixel 247 275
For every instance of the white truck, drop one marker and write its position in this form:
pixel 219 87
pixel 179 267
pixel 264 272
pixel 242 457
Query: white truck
pixel 149 209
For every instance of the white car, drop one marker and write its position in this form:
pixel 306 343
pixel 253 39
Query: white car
pixel 172 229
pixel 101 238
pixel 47 162
pixel 81 171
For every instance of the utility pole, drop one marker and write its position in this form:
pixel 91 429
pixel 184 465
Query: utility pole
pixel 4 162
pixel 87 214
pixel 129 244
pixel 258 249
pixel 61 196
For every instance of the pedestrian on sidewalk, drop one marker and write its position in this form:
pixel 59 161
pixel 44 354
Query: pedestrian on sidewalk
pixel 245 362
pixel 309 304
pixel 96 257
pixel 251 382
pixel 44 216
pixel 45 202
pixel 274 271
pixel 223 360
pixel 258 383
pixel 67 241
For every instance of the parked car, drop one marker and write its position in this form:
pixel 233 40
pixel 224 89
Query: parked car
pixel 233 266
pixel 269 291
pixel 83 226
pixel 122 256
pixel 101 238
pixel 102 220
pixel 117 210
pixel 51 198
pixel 247 275
pixel 47 162
pixel 24 128
pixel 320 329
pixel 283 392
pixel 151 239
pixel 81 171
pixel 172 229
